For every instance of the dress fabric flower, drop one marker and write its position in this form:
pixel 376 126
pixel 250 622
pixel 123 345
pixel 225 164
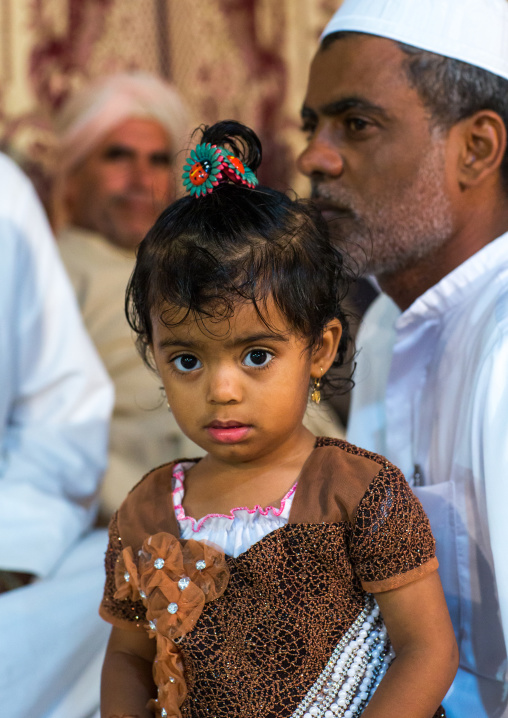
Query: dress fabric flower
pixel 206 567
pixel 126 576
pixel 175 612
pixel 174 579
pixel 202 171
pixel 168 676
pixel 160 560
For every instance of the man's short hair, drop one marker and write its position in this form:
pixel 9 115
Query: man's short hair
pixel 450 89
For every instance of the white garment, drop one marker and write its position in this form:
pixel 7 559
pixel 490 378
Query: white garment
pixel 432 393
pixel 54 411
pixel 233 533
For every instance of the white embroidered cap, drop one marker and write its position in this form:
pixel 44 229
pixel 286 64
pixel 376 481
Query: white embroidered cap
pixel 474 31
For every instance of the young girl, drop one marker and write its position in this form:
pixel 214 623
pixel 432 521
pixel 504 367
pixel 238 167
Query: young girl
pixel 272 577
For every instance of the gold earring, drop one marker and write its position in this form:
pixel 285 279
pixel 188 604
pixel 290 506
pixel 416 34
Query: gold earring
pixel 316 394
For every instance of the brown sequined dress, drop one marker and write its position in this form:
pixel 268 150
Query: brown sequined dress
pixel 260 644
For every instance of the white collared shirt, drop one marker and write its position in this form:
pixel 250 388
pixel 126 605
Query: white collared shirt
pixel 431 395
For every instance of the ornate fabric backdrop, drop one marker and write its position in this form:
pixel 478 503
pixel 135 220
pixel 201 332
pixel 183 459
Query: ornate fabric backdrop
pixel 240 59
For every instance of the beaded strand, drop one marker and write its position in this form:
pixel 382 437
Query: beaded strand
pixel 354 671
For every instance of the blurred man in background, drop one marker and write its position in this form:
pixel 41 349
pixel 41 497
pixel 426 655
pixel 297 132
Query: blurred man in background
pixel 118 140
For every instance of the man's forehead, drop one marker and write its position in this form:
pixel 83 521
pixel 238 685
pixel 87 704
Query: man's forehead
pixel 138 130
pixel 356 65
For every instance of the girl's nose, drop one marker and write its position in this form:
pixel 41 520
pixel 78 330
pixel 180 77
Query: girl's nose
pixel 224 387
pixel 321 157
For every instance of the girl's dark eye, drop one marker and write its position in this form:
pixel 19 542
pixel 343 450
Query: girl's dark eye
pixel 257 358
pixel 187 363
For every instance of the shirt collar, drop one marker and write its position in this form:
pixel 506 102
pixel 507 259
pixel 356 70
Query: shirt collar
pixel 458 285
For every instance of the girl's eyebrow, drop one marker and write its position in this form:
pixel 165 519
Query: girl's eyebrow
pixel 255 338
pixel 170 342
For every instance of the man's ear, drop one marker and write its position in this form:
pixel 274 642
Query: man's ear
pixel 483 138
pixel 324 355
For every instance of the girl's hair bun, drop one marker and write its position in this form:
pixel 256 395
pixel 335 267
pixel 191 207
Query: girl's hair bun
pixel 241 140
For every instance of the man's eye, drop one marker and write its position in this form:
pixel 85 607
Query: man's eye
pixel 187 363
pixel 116 154
pixel 160 159
pixel 357 124
pixel 308 128
pixel 257 358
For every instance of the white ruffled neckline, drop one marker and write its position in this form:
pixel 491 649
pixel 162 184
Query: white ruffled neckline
pixel 235 532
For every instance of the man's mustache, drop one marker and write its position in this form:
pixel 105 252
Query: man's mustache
pixel 326 202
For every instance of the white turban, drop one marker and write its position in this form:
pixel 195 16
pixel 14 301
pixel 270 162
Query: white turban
pixel 474 31
pixel 94 111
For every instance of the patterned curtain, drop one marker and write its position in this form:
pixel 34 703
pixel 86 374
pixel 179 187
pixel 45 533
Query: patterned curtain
pixel 235 59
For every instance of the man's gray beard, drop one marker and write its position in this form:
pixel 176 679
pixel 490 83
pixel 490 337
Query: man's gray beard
pixel 398 231
pixel 403 249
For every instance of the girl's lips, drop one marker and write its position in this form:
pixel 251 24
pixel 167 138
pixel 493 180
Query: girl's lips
pixel 227 432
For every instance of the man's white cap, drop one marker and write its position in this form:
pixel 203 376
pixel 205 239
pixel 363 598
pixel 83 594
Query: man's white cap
pixel 100 106
pixel 474 31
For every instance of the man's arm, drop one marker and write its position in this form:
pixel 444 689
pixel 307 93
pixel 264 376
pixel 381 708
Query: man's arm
pixel 56 398
pixel 490 459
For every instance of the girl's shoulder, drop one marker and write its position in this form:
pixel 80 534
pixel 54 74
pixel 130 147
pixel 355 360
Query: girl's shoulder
pixel 336 477
pixel 346 448
pixel 390 540
pixel 148 507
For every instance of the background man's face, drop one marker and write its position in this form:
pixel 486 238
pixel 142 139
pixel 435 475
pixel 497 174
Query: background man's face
pixel 377 168
pixel 124 184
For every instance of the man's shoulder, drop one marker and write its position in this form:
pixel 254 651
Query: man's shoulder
pixel 379 318
pixel 74 240
pixel 481 319
pixel 83 251
pixel 9 171
pixel 17 190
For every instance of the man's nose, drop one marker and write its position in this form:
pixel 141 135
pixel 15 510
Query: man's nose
pixel 322 156
pixel 143 172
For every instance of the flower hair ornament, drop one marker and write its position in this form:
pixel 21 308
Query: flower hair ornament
pixel 210 165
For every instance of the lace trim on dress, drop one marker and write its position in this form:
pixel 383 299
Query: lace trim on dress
pixel 178 493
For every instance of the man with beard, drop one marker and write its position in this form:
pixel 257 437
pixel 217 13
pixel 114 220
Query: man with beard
pixel 118 138
pixel 406 114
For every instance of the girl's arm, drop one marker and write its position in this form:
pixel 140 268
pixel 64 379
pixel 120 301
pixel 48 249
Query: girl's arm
pixel 421 633
pixel 127 684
